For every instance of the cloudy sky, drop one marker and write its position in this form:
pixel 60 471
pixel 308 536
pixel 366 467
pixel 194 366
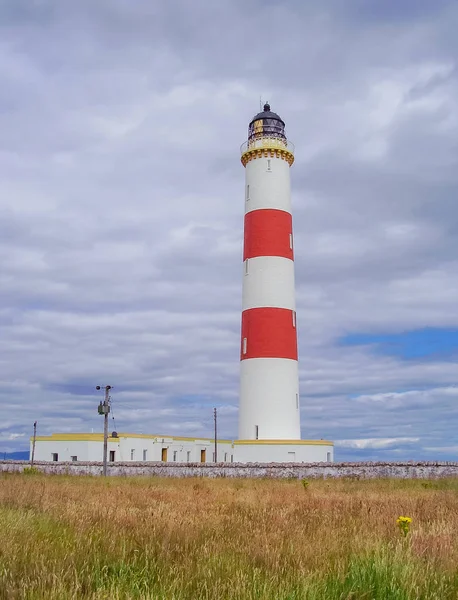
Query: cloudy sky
pixel 121 212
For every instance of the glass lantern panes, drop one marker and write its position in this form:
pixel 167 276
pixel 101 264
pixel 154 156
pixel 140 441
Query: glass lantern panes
pixel 266 126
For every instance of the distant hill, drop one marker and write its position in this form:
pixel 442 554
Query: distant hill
pixel 24 455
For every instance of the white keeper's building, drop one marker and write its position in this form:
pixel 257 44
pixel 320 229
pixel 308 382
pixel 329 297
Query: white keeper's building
pixel 137 447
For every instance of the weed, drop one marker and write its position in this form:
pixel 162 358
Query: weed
pixel 305 484
pixel 31 471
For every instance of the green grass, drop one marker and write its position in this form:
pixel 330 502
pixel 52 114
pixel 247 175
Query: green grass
pixel 86 538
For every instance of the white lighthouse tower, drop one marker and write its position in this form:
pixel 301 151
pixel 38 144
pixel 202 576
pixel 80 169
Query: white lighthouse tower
pixel 269 416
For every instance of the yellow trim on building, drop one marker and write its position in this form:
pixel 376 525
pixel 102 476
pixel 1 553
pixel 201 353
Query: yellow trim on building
pixel 172 437
pixel 73 437
pixel 283 443
pixel 98 437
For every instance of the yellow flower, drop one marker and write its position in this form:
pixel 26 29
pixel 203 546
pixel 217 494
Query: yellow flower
pixel 404 524
pixel 404 520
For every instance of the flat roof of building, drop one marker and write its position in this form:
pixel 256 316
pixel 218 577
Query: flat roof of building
pixel 98 437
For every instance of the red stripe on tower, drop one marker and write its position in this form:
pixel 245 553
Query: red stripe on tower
pixel 268 232
pixel 269 333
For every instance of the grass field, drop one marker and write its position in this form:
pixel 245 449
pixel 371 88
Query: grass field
pixel 82 537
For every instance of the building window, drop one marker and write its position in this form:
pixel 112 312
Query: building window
pixel 175 454
pixel 55 456
pixel 244 346
pixel 225 457
pixel 112 455
pixel 328 457
pixel 297 401
pixel 188 456
pixel 247 192
pixel 246 267
pixel 145 454
pixel 132 454
pixel 268 165
pixel 73 458
pixel 294 317
pixel 232 458
pixel 256 431
pixel 291 241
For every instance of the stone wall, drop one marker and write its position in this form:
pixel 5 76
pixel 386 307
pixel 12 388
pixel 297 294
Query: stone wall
pixel 363 470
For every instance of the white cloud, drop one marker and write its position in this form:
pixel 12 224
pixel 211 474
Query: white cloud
pixel 375 443
pixel 11 436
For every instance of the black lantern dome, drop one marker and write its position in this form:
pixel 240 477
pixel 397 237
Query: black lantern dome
pixel 266 124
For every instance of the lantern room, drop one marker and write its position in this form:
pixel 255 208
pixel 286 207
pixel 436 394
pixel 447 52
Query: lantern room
pixel 266 124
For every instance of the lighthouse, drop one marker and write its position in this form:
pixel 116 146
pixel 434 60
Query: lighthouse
pixel 269 381
pixel 269 407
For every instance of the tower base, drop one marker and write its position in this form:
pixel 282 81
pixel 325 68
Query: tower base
pixel 283 451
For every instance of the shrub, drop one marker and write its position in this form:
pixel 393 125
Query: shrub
pixel 31 471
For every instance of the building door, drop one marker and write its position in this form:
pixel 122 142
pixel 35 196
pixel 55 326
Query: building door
pixel 112 455
pixel 164 455
pixel 203 455
pixel 291 457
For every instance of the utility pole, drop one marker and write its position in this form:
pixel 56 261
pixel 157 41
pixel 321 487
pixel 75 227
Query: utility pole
pixel 33 443
pixel 104 409
pixel 215 416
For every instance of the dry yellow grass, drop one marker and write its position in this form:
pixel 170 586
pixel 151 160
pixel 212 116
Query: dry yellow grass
pixel 82 537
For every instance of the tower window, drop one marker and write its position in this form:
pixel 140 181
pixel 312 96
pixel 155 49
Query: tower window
pixel 247 192
pixel 145 454
pixel 132 454
pixel 244 345
pixel 297 401
pixel 269 168
pixel 256 429
pixel 294 317
pixel 291 241
pixel 246 267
